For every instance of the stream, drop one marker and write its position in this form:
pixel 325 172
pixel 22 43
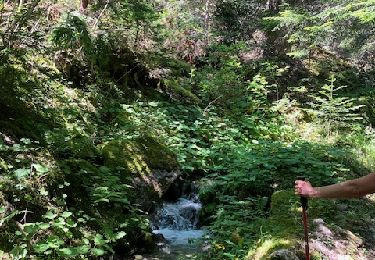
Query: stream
pixel 176 224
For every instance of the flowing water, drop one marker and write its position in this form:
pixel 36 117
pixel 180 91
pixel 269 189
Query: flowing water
pixel 177 226
pixel 178 222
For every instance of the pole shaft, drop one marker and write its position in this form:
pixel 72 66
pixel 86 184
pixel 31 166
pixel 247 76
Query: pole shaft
pixel 306 229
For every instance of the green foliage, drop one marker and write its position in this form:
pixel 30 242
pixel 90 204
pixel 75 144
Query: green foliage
pixel 237 199
pixel 61 235
pixel 342 26
pixel 334 111
pixel 132 11
pixel 15 28
pixel 238 18
pixel 72 33
pixel 71 158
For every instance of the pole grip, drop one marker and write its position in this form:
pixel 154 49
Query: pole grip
pixel 303 199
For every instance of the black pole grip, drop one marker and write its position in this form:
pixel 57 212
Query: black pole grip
pixel 303 199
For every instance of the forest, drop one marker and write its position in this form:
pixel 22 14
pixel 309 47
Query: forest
pixel 175 129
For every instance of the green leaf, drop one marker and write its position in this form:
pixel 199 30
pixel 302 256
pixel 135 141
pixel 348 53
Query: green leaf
pixel 40 248
pixel 66 214
pixel 19 251
pixel 40 169
pixel 99 240
pixel 50 215
pixel 44 226
pixel 30 228
pixel 120 235
pixel 67 252
pixel 98 251
pixel 55 242
pixel 43 191
pixel 25 141
pixel 21 173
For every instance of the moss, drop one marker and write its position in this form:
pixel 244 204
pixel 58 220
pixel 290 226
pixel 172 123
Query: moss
pixel 282 229
pixel 3 164
pixel 139 156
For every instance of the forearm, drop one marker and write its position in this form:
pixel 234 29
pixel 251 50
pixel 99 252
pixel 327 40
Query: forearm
pixel 349 189
pixel 344 190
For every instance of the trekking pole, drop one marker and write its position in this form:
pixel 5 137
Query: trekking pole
pixel 304 203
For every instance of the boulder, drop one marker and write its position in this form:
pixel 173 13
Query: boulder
pixel 150 165
pixel 283 254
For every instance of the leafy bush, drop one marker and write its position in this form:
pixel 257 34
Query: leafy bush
pixel 237 199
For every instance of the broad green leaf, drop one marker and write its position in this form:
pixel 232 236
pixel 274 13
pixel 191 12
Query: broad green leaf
pixel 43 191
pixel 98 251
pixel 66 214
pixel 99 240
pixel 40 248
pixel 50 215
pixel 22 173
pixel 30 228
pixel 120 235
pixel 40 169
pixel 44 226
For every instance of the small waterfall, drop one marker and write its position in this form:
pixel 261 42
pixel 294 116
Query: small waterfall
pixel 178 222
pixel 182 215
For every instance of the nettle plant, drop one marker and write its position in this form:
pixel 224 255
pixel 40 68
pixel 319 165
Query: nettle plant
pixel 60 235
pixel 35 219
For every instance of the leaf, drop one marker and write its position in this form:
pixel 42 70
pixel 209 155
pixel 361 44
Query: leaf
pixel 83 249
pixel 120 235
pixel 98 251
pixel 101 200
pixel 153 104
pixel 40 169
pixel 25 141
pixel 66 214
pixel 21 173
pixel 43 191
pixel 40 248
pixel 44 226
pixel 55 242
pixel 50 215
pixel 67 252
pixel 99 240
pixel 19 251
pixel 30 228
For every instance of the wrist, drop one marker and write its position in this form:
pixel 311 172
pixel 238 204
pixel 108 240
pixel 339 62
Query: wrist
pixel 315 193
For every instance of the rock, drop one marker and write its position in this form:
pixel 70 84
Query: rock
pixel 283 225
pixel 206 248
pixel 321 229
pixel 159 238
pixel 283 254
pixel 152 167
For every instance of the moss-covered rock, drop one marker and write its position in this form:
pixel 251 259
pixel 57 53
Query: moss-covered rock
pixel 282 229
pixel 139 156
pixel 150 164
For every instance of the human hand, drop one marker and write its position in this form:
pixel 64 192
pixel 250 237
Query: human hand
pixel 304 189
